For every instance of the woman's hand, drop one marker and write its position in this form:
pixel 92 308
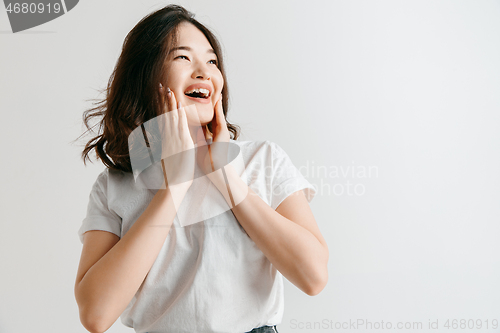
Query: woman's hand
pixel 218 124
pixel 178 154
pixel 214 156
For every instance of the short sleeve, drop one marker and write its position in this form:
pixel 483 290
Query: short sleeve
pixel 286 178
pixel 99 215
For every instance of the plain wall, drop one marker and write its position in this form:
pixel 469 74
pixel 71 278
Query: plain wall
pixel 390 108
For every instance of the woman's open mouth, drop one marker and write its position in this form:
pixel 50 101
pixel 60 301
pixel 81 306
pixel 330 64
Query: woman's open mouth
pixel 198 94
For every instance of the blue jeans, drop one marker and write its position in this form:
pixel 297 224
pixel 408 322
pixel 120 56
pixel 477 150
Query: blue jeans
pixel 264 329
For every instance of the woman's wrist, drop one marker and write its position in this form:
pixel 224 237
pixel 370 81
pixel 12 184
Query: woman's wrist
pixel 229 184
pixel 174 193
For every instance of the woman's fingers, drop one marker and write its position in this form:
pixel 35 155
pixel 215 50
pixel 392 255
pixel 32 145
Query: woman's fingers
pixel 176 119
pixel 219 127
pixel 214 121
pixel 171 100
pixel 219 114
pixel 175 108
pixel 183 123
pixel 176 142
pixel 219 109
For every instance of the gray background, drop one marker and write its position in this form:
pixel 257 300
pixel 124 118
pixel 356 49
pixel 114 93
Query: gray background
pixel 409 88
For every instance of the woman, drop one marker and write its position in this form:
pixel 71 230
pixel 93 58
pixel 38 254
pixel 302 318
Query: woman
pixel 221 274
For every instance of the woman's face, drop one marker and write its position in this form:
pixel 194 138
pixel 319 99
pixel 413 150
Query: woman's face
pixel 193 64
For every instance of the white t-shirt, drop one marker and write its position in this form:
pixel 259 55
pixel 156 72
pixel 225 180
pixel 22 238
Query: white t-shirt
pixel 209 276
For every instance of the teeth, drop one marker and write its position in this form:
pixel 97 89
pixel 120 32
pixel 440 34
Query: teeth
pixel 205 92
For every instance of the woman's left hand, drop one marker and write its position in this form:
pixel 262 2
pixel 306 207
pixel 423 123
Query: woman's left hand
pixel 218 124
pixel 214 156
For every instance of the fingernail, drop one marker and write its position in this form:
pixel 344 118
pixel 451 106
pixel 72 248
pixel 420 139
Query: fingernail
pixel 169 92
pixel 179 105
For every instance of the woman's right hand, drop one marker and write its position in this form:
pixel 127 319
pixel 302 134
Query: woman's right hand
pixel 178 153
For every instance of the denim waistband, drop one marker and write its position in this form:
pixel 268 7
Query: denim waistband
pixel 264 329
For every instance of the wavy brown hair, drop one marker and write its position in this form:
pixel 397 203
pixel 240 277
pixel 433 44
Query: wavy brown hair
pixel 132 94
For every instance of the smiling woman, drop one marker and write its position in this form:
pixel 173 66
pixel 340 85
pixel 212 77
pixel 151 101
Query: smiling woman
pixel 139 261
pixel 192 66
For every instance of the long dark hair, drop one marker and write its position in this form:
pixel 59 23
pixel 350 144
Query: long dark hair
pixel 132 94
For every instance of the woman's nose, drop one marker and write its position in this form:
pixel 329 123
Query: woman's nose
pixel 200 72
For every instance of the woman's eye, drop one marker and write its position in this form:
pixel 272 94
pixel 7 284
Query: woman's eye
pixel 182 56
pixel 213 62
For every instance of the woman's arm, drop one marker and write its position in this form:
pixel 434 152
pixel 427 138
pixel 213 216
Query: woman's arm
pixel 289 237
pixel 111 272
pixel 103 289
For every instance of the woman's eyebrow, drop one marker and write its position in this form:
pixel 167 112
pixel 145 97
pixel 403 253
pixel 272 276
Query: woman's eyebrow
pixel 187 48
